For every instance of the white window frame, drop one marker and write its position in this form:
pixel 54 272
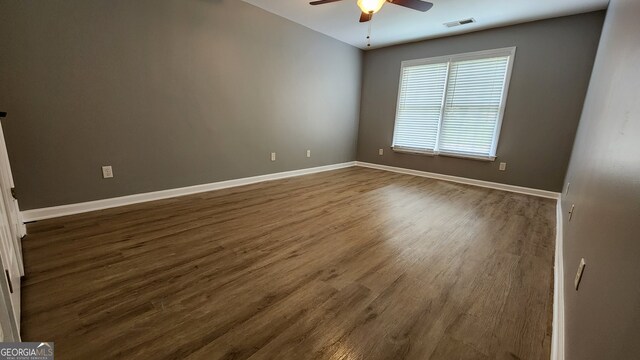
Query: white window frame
pixel 508 51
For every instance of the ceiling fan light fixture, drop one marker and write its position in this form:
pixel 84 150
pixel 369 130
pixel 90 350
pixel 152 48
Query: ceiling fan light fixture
pixel 370 6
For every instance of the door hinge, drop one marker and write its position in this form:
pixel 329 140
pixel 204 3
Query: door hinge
pixel 6 272
pixel 13 193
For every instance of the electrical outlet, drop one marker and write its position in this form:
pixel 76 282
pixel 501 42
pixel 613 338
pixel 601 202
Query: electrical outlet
pixel 503 166
pixel 308 153
pixel 579 273
pixel 107 172
pixel 273 156
pixel 380 152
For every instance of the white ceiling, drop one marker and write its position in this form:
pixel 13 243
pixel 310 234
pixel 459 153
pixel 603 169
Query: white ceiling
pixel 395 24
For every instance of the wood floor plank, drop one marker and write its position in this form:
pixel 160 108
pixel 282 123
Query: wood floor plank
pixel 348 264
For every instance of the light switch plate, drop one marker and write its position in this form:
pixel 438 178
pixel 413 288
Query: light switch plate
pixel 503 166
pixel 380 152
pixel 579 273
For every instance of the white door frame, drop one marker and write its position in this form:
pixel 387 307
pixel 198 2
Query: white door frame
pixel 9 325
pixel 18 229
pixel 11 232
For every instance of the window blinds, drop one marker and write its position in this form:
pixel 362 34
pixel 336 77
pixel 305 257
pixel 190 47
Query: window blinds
pixel 420 106
pixel 472 105
pixel 453 106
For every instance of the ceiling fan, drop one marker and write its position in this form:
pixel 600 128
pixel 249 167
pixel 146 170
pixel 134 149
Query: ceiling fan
pixel 370 7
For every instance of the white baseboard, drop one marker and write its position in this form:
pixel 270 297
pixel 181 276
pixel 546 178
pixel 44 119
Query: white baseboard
pixel 22 228
pixel 71 209
pixel 462 180
pixel 557 337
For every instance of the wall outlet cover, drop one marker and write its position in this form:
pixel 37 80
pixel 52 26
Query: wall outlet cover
pixel 107 172
pixel 380 152
pixel 503 166
pixel 308 153
pixel 273 156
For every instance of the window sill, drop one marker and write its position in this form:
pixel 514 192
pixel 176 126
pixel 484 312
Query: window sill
pixel 447 154
pixel 413 151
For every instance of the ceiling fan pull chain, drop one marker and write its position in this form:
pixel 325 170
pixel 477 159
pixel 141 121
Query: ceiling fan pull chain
pixel 369 36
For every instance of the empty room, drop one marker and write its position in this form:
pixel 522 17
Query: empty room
pixel 331 179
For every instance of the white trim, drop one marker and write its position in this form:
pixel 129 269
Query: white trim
pixel 10 206
pixel 415 151
pixel 71 209
pixel 418 151
pixel 22 228
pixel 443 105
pixel 8 322
pixel 505 51
pixel 503 103
pixel 557 336
pixel 462 180
pixel 462 155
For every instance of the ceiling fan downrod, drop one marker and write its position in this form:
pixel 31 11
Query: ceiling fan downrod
pixel 369 35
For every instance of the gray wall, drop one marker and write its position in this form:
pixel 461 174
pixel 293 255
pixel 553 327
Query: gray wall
pixel 603 317
pixel 170 93
pixel 554 59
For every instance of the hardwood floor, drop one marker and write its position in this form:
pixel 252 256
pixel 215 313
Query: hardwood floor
pixel 348 264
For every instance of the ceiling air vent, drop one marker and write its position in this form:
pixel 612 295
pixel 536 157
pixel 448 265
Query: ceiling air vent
pixel 460 22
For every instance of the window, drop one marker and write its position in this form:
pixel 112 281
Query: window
pixel 453 105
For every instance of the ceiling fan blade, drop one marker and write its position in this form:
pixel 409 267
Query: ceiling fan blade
pixel 413 4
pixel 364 17
pixel 320 2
